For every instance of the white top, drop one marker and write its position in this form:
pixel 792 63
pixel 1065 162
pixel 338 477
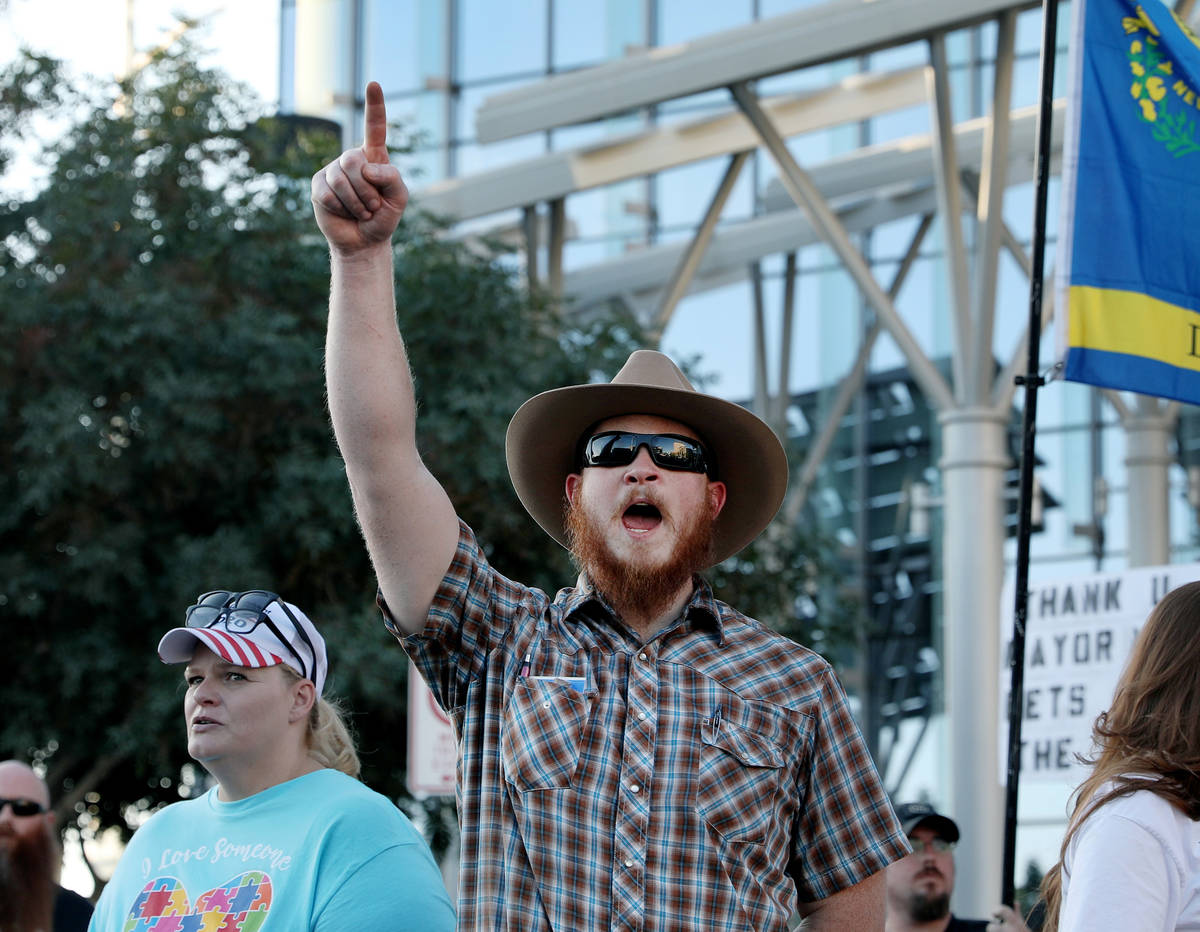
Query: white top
pixel 1133 866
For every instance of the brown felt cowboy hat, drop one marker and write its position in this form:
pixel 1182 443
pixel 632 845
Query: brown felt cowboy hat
pixel 544 435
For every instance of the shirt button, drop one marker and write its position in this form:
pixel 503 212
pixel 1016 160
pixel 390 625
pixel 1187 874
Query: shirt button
pixel 634 788
pixel 545 705
pixel 641 716
pixel 628 862
pixel 642 658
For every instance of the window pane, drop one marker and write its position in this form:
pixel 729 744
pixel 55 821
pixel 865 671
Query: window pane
pixel 681 20
pixel 422 120
pixel 580 34
pixel 498 39
pixel 590 33
pixel 472 99
pixel 404 43
pixel 771 8
pixel 684 193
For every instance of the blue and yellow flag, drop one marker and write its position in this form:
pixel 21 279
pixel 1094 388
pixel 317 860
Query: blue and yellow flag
pixel 1129 257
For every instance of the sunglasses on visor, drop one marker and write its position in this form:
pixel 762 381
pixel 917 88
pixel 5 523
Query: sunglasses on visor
pixel 670 451
pixel 242 612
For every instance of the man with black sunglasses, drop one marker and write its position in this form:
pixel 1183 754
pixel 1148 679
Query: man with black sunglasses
pixel 634 754
pixel 30 858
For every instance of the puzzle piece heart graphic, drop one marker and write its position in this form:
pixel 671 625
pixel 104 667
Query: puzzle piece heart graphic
pixel 241 905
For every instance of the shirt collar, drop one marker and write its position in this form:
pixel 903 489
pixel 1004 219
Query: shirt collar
pixel 702 610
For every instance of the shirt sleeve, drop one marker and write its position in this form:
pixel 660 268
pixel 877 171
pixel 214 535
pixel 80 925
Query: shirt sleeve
pixel 1122 877
pixel 398 890
pixel 847 829
pixel 471 613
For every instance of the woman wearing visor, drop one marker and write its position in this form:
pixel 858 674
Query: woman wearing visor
pixel 288 839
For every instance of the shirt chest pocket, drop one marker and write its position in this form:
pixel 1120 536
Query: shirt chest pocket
pixel 541 733
pixel 744 783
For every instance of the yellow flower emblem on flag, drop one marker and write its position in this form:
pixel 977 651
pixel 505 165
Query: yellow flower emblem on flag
pixel 1169 114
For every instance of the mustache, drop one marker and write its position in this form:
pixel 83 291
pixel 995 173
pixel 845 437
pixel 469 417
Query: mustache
pixel 646 493
pixel 930 871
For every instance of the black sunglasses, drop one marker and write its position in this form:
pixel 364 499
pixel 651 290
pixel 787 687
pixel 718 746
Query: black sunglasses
pixel 242 612
pixel 670 451
pixel 22 807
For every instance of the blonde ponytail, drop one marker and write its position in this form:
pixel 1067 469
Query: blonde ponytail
pixel 329 740
pixel 328 737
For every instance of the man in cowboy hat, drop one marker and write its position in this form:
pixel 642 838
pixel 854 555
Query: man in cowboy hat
pixel 633 754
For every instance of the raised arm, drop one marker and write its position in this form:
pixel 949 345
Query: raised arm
pixel 409 524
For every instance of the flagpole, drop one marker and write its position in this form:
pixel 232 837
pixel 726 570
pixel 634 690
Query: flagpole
pixel 1031 381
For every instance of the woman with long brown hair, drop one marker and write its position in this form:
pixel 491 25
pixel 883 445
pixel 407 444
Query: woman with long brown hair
pixel 1130 860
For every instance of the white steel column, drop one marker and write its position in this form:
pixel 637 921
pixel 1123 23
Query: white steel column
pixel 554 248
pixel 685 271
pixel 762 391
pixel 783 393
pixel 324 78
pixel 850 386
pixel 949 193
pixel 989 208
pixel 807 195
pixel 973 463
pixel 1147 460
pixel 529 224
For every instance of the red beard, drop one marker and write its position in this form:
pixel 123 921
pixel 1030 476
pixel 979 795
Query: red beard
pixel 28 872
pixel 627 585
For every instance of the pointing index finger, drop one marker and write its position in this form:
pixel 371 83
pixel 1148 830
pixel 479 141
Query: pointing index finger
pixel 375 120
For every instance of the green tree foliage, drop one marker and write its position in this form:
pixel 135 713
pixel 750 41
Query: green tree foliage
pixel 785 580
pixel 164 298
pixel 162 315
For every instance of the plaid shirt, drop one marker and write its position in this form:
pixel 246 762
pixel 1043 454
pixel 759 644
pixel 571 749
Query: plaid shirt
pixel 701 780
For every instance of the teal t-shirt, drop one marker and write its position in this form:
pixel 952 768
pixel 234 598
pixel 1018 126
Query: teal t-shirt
pixel 321 853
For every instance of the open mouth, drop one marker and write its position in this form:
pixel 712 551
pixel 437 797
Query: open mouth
pixel 641 516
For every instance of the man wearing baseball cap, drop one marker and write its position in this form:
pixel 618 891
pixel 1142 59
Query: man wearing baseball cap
pixel 288 838
pixel 919 886
pixel 633 753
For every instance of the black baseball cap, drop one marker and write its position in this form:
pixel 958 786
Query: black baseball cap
pixel 913 814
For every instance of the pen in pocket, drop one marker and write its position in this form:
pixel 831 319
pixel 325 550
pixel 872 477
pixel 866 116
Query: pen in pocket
pixel 525 663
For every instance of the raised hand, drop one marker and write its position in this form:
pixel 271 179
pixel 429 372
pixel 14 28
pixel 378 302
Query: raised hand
pixel 1006 919
pixel 359 197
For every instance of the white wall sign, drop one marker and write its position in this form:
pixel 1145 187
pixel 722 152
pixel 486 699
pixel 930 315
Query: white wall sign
pixel 432 750
pixel 1078 633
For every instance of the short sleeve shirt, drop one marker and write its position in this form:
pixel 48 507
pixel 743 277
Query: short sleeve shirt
pixel 712 775
pixel 318 853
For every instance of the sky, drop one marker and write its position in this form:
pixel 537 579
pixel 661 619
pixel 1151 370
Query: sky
pixel 92 35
